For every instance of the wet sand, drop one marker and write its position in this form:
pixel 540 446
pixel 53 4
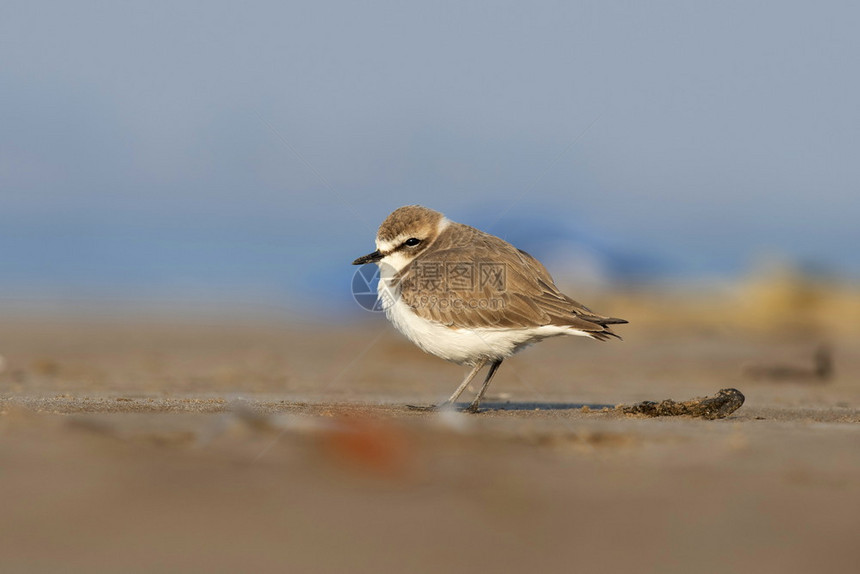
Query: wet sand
pixel 143 445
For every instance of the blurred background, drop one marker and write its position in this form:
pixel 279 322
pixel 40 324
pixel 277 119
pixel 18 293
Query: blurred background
pixel 183 186
pixel 215 156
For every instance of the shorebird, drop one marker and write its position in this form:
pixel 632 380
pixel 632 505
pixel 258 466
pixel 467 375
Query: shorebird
pixel 470 297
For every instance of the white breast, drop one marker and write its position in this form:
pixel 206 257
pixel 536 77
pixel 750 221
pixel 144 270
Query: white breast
pixel 462 346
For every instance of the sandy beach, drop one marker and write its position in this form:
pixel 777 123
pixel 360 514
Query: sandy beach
pixel 198 201
pixel 142 445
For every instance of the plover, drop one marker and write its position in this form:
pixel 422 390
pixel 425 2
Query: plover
pixel 469 297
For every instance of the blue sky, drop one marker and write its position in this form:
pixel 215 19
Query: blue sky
pixel 247 151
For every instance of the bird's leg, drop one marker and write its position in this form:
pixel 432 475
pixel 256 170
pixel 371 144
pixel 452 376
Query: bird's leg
pixel 473 408
pixel 478 366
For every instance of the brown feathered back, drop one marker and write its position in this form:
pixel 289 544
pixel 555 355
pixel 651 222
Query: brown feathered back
pixel 471 279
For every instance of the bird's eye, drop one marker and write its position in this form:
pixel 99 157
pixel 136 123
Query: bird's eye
pixel 412 242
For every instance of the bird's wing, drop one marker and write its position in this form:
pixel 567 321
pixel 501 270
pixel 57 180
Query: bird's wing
pixel 489 282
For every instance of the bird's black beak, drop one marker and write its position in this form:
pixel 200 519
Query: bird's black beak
pixel 369 258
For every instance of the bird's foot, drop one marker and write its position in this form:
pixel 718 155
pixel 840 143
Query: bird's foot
pixel 472 408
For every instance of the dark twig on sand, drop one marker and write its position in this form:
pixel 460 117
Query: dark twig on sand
pixel 719 406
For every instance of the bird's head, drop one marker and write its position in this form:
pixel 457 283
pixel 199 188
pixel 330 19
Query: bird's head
pixel 404 235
